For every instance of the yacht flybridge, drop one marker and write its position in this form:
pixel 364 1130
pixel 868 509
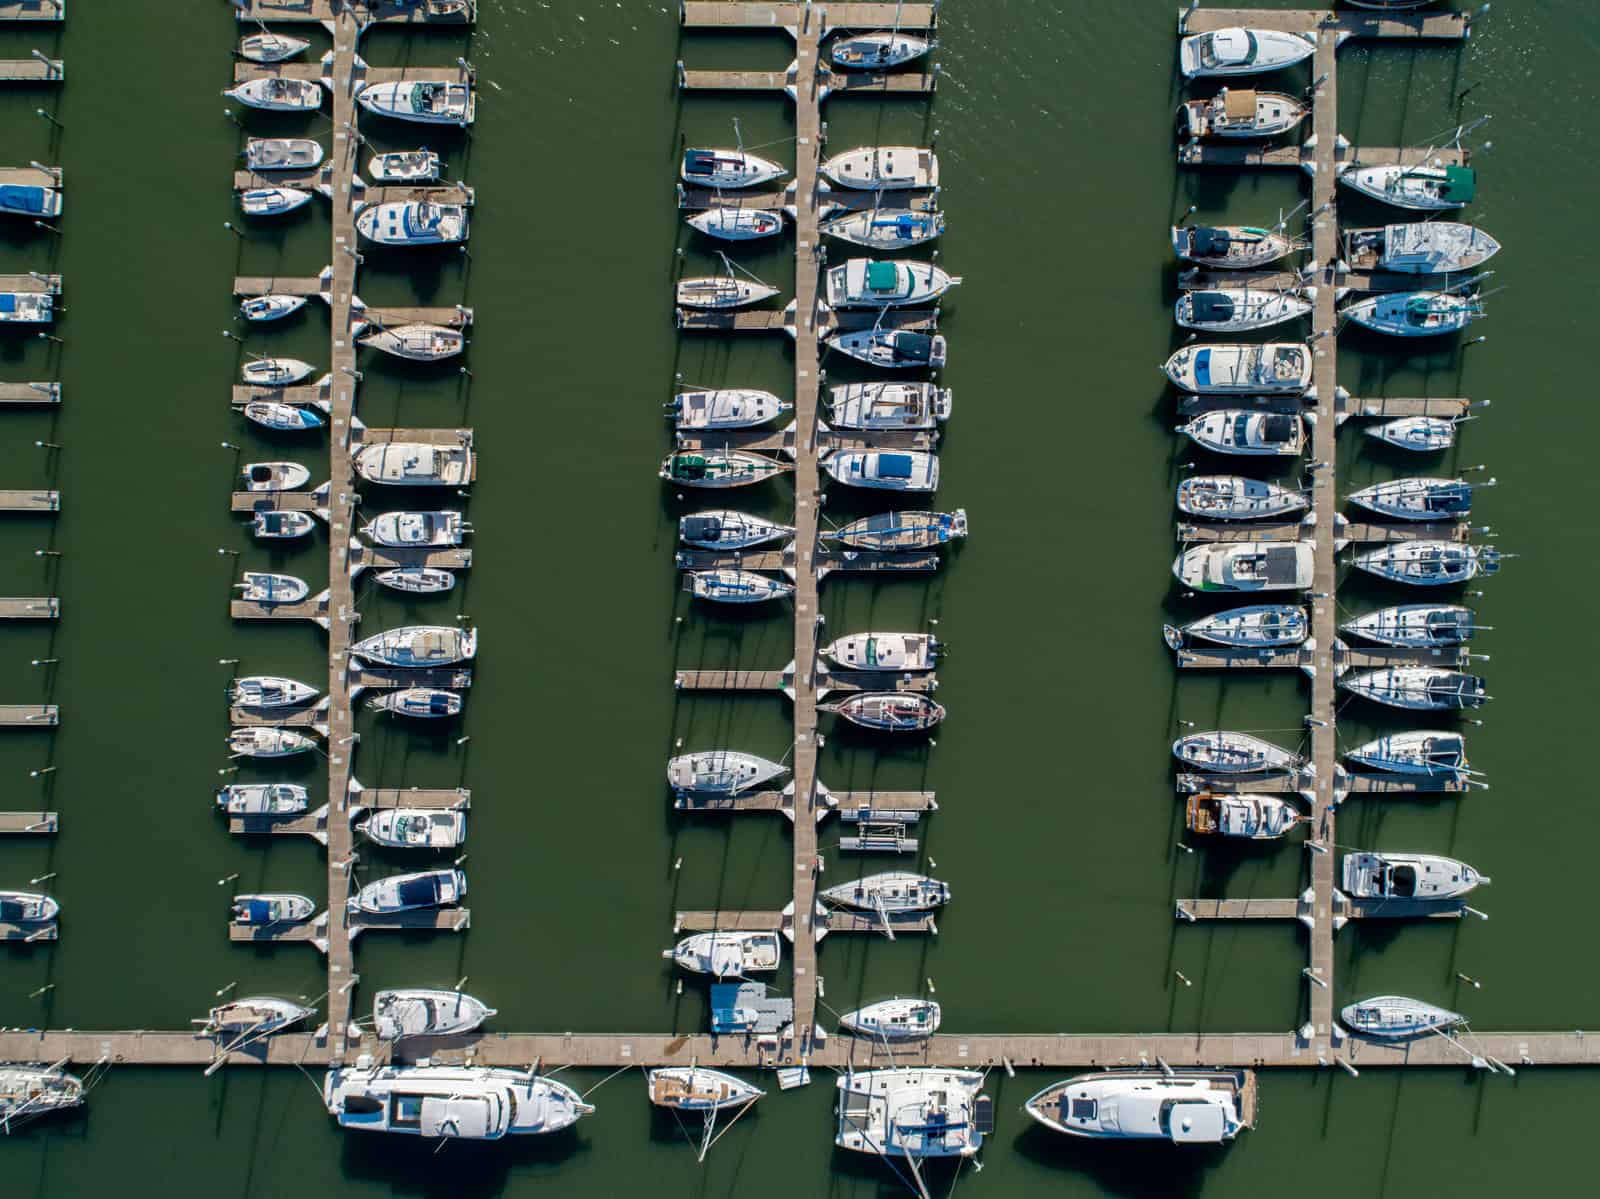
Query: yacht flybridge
pixel 727 954
pixel 884 470
pixel 419 891
pixel 869 283
pixel 405 166
pixel 1247 566
pixel 1419 248
pixel 913 1113
pixel 883 168
pixel 413 223
pixel 415 828
pixel 1407 876
pixel 262 799
pixel 276 94
pixel 1243 431
pixel 469 1103
pixel 888 405
pixel 428 101
pixel 414 464
pixel 1183 1107
pixel 1272 368
pixel 1239 51
pixel 409 530
pixel 1236 112
pixel 726 408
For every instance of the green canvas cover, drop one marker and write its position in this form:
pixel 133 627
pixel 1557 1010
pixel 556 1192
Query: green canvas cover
pixel 881 276
pixel 1460 184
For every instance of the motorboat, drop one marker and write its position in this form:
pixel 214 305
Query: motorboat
pixel 419 646
pixel 423 702
pixel 421 890
pixel 260 587
pixel 913 1113
pixel 726 408
pixel 282 526
pixel 893 1020
pixel 415 828
pixel 720 772
pixel 404 166
pixel 263 799
pixel 409 530
pixel 29 1091
pixel 885 228
pixel 888 711
pixel 1272 368
pixel 255 1016
pixel 901 530
pixel 728 585
pixel 1233 497
pixel 871 283
pixel 429 101
pixel 876 51
pixel 728 223
pixel 1242 431
pixel 289 418
pixel 1414 876
pixel 697 1089
pixel 727 169
pixel 27 307
pixel 892 349
pixel 1418 498
pixel 272 907
pixel 1417 752
pixel 273 476
pixel 1182 1107
pixel 270 307
pixel 421 1012
pixel 885 470
pixel 30 200
pixel 1247 566
pixel 417 580
pixel 275 372
pixel 1415 313
pixel 1258 626
pixel 416 343
pixel 883 168
pixel 884 651
pixel 277 94
pixel 27 907
pixel 719 468
pixel 1418 688
pixel 721 291
pixel 1416 626
pixel 1237 51
pixel 727 954
pixel 272 201
pixel 1390 1017
pixel 413 223
pixel 1419 248
pixel 1429 563
pixel 723 529
pixel 414 464
pixel 271 47
pixel 873 406
pixel 265 741
pixel 1224 752
pixel 1237 112
pixel 1239 309
pixel 893 892
pixel 1250 817
pixel 1422 434
pixel 282 154
pixel 269 691
pixel 1424 188
pixel 1230 247
pixel 456 1103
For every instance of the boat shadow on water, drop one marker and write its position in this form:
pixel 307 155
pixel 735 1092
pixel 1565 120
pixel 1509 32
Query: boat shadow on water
pixel 1135 1169
pixel 417 1166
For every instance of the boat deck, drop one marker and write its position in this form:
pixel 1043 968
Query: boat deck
pixel 30 501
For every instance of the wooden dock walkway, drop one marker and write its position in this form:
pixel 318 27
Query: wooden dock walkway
pixel 317 393
pixel 311 286
pixel 33 607
pixel 897 83
pixel 408 797
pixel 43 930
pixel 743 14
pixel 30 393
pixel 32 70
pixel 313 608
pixel 32 284
pixel 29 823
pixel 30 501
pixel 307 824
pixel 783 680
pixel 1237 531
pixel 1299 657
pixel 1341 24
pixel 374 12
pixel 1304 908
pixel 281 501
pixel 1215 154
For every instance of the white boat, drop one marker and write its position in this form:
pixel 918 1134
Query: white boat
pixel 1414 876
pixel 273 476
pixel 254 1015
pixel 27 307
pixel 1418 498
pixel 720 772
pixel 1182 1107
pixel 901 530
pixel 263 799
pixel 278 95
pixel 888 405
pixel 1239 309
pixel 1242 431
pixel 726 408
pixel 697 1089
pixel 892 349
pixel 1232 497
pixel 27 907
pixel 1224 752
pixel 727 169
pixel 885 470
pixel 1274 367
pixel 913 1113
pixel 888 711
pixel 727 954
pixel 271 47
pixel 264 741
pixel 260 587
pixel 1415 313
pixel 30 201
pixel 728 585
pixel 1422 434
pixel 1237 112
pixel 1251 817
pixel 728 223
pixel 419 646
pixel 456 1103
pixel 1416 626
pixel 269 691
pixel 869 283
pixel 721 291
pixel 1247 566
pixel 722 529
pixel 883 168
pixel 416 343
pixel 417 580
pixel 429 101
pixel 884 651
pixel 270 307
pixel 421 1012
pixel 414 828
pixel 893 1020
pixel 282 526
pixel 275 372
pixel 1417 752
pixel 1418 688
pixel 272 201
pixel 890 892
pixel 408 530
pixel 718 468
pixel 414 464
pixel 28 1091
pixel 1389 1017
pixel 885 228
pixel 876 51
pixel 282 154
pixel 272 907
pixel 1230 247
pixel 1258 626
pixel 1238 51
pixel 428 703
pixel 413 223
pixel 404 166
pixel 422 890
pixel 1419 248
pixel 283 417
pixel 1429 563
pixel 1425 188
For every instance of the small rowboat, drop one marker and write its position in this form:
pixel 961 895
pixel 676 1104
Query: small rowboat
pixel 417 580
pixel 889 711
pixel 286 418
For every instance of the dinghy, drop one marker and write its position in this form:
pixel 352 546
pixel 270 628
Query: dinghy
pixel 275 372
pixel 727 169
pixel 727 954
pixel 1418 688
pixel 272 201
pixel 413 223
pixel 1239 309
pixel 1239 51
pixel 1415 626
pixel 885 470
pixel 876 51
pixel 278 95
pixel 414 828
pixel 414 464
pixel 263 741
pixel 1422 434
pixel 270 307
pixel 419 646
pixel 1415 314
pixel 271 47
pixel 29 1091
pixel 1429 563
pixel 1241 431
pixel 885 228
pixel 913 1113
pixel 721 292
pixel 1224 752
pixel 1424 188
pixel 1231 497
pixel 883 168
pixel 1273 368
pixel 263 799
pixel 282 526
pixel 420 1012
pixel 738 224
pixel 419 891
pixel 726 408
pixel 697 1089
pixel 430 101
pixel 873 406
pixel 272 907
pixel 288 418
pixel 894 892
pixel 282 154
pixel 409 530
pixel 257 1015
pixel 726 530
pixel 1393 1016
pixel 866 283
pixel 416 343
pixel 20 200
pixel 719 772
pixel 888 711
pixel 719 468
pixel 260 587
pixel 1415 876
pixel 1181 1107
pixel 901 530
pixel 1418 752
pixel 404 166
pixel 1230 247
pixel 730 586
pixel 884 651
pixel 27 907
pixel 450 1103
pixel 427 703
pixel 1258 626
pixel 26 307
pixel 1246 566
pixel 417 580
pixel 892 349
pixel 269 691
pixel 1236 112
pixel 1419 248
pixel 893 1020
pixel 1249 817
pixel 1417 499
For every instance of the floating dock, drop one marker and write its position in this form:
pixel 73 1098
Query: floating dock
pixel 29 823
pixel 30 393
pixel 30 501
pixel 34 607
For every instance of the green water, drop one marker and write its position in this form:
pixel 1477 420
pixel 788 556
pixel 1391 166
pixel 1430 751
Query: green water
pixel 1057 819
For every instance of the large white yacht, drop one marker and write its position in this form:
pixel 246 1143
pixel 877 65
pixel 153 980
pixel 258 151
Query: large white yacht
pixel 727 954
pixel 1180 1106
pixel 419 645
pixel 1418 876
pixel 452 1102
pixel 913 1112
pixel 421 1012
pixel 869 283
pixel 431 101
pixel 413 223
pixel 413 464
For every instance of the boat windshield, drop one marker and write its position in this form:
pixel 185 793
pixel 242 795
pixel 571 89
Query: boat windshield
pixel 1400 882
pixel 1228 47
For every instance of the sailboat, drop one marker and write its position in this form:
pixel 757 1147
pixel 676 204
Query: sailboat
pixel 1390 1017
pixel 881 228
pixel 728 585
pixel 421 1012
pixel 417 580
pixel 720 772
pixel 29 1091
pixel 1413 876
pixel 1415 313
pixel 417 343
pixel 889 711
pixel 1418 498
pixel 1238 51
pixel 426 703
pixel 1232 497
pixel 275 372
pixel 718 169
pixel 893 1020
pixel 892 349
pixel 1230 247
pixel 270 307
pixel 722 291
pixel 1426 188
pixel 1250 817
pixel 1421 434
pixel 288 418
pixel 697 1089
pixel 269 691
pixel 419 646
pixel 1239 309
pixel 1429 563
pixel 729 223
pixel 1419 247
pixel 878 51
pixel 1416 626
pixel 719 468
pixel 264 741
pixel 269 47
pixel 901 530
pixel 893 892
pixel 276 94
pixel 272 201
pixel 1418 688
pixel 255 1015
pixel 1258 626
pixel 1225 752
pixel 723 529
pixel 1419 752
